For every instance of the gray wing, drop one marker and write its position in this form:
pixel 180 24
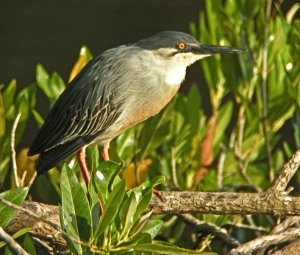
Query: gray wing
pixel 91 104
pixel 82 111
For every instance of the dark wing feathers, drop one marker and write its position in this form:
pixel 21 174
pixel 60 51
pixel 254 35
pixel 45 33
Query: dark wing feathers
pixel 90 104
pixel 50 158
pixel 80 114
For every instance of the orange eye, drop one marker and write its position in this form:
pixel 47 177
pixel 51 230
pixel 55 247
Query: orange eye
pixel 181 46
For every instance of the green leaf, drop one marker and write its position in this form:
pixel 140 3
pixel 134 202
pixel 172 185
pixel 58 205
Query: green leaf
pixel 192 108
pixel 126 214
pixel 153 227
pixel 8 251
pixel 38 118
pixel 52 85
pixel 94 205
pixel 42 79
pixel 131 243
pixel 28 245
pixel 56 85
pixel 24 104
pixel 75 206
pixel 9 94
pixel 167 249
pixel 144 191
pixel 15 196
pixel 125 144
pixel 223 119
pixel 141 223
pixel 104 177
pixel 111 208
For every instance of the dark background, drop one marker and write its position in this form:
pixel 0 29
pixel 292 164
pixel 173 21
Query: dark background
pixel 52 32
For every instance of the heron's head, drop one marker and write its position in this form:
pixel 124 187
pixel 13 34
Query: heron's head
pixel 182 47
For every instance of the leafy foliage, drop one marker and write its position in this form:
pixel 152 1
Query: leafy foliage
pixel 15 196
pixel 122 227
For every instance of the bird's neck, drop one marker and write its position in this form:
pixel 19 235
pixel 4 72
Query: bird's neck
pixel 171 73
pixel 175 75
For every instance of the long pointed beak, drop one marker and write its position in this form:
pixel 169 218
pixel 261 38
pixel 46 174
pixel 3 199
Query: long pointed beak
pixel 204 49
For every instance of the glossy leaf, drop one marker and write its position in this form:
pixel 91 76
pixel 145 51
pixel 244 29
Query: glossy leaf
pixel 38 118
pixel 28 245
pixel 111 208
pixel 223 120
pixel 153 227
pixel 16 196
pixel 104 177
pixel 9 94
pixel 42 79
pixel 76 213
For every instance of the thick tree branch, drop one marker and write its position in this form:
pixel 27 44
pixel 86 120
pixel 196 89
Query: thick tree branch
pixel 290 249
pixel 176 202
pixel 280 234
pixel 266 241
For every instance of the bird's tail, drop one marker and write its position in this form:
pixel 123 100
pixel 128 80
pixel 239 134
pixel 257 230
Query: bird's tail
pixel 50 158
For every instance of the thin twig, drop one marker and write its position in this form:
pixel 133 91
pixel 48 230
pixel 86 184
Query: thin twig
pixel 23 178
pixel 239 155
pixel 250 227
pixel 286 173
pixel 211 228
pixel 290 249
pixel 220 167
pixel 43 244
pixel 12 244
pixel 264 89
pixel 32 180
pixel 285 224
pixel 13 152
pixel 173 169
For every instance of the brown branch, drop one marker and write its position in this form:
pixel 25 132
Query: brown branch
pixel 44 221
pixel 285 224
pixel 176 202
pixel 264 89
pixel 290 249
pixel 287 172
pixel 31 216
pixel 12 147
pixel 266 241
